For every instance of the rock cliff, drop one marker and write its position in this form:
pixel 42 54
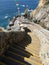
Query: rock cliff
pixel 40 5
pixel 8 37
pixel 41 14
pixel 38 35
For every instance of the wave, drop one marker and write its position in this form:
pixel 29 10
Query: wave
pixel 30 10
pixel 23 5
pixel 6 17
pixel 17 4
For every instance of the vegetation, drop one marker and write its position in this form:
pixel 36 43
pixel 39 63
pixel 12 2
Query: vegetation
pixel 47 2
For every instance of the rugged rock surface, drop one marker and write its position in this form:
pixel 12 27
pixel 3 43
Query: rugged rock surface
pixel 40 5
pixel 7 38
pixel 39 36
pixel 43 36
pixel 42 17
pixel 41 14
pixel 39 42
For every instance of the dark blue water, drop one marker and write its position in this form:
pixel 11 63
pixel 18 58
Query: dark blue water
pixel 8 9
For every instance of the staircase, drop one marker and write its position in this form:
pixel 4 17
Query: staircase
pixel 24 53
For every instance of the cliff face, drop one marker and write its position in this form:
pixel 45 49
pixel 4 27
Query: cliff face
pixel 40 5
pixel 41 14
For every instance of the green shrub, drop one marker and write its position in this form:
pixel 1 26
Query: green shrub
pixel 47 2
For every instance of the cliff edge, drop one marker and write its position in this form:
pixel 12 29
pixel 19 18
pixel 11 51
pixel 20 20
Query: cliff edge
pixel 40 5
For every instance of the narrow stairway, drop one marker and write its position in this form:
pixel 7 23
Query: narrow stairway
pixel 16 54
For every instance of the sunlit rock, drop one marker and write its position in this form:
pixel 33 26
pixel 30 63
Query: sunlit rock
pixel 40 5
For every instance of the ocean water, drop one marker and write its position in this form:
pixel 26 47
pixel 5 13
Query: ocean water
pixel 9 8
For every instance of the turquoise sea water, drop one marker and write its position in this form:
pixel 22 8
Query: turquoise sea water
pixel 8 9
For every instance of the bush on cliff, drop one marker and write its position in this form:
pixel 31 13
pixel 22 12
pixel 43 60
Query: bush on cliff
pixel 47 2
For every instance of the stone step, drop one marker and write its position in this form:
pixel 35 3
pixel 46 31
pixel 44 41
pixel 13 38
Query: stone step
pixel 28 52
pixel 29 60
pixel 28 47
pixel 15 56
pixel 21 52
pixel 2 63
pixel 11 61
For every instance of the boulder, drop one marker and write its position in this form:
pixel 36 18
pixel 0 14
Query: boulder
pixel 16 37
pixel 8 37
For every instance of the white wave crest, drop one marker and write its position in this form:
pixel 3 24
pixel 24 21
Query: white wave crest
pixel 6 17
pixel 17 4
pixel 23 5
pixel 30 10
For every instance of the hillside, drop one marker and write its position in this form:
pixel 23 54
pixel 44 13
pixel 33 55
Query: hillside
pixel 26 42
pixel 34 40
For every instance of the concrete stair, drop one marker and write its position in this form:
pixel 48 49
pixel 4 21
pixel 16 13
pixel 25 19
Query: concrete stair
pixel 24 53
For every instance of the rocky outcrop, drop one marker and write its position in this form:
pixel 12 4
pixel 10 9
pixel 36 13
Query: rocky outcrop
pixel 41 14
pixel 8 37
pixel 40 5
pixel 42 17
